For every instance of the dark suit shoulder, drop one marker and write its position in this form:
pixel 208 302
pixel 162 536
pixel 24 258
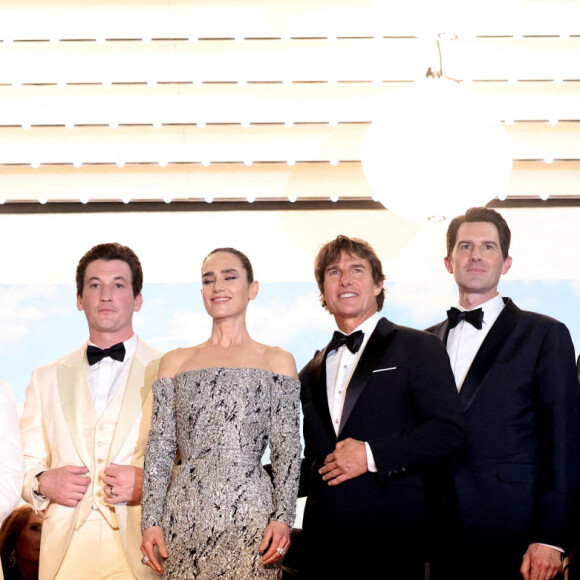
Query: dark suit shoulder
pixel 435 328
pixel 534 323
pixel 414 336
pixel 303 374
pixel 538 319
pixel 527 317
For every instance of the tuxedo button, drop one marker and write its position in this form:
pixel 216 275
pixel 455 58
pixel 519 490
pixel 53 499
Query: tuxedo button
pixel 403 470
pixel 100 443
pixel 94 507
pixel 101 427
pixel 99 460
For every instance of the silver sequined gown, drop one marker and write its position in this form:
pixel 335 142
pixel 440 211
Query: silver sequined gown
pixel 215 511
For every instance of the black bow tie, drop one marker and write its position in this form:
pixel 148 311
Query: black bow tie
pixel 474 317
pixel 96 354
pixel 352 341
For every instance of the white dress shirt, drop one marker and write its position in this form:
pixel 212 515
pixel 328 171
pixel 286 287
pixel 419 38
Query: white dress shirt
pixel 11 458
pixel 340 366
pixel 464 340
pixel 107 376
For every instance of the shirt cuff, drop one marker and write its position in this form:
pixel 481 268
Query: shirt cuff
pixel 39 502
pixel 554 547
pixel 371 465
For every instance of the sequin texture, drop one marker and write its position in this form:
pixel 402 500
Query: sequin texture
pixel 215 511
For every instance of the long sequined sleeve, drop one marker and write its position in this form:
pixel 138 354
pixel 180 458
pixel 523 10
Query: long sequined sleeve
pixel 160 454
pixel 285 446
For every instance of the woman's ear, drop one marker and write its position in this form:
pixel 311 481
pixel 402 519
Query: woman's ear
pixel 254 287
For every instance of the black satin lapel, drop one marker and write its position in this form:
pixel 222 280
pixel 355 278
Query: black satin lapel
pixel 488 353
pixel 318 389
pixel 443 331
pixel 369 361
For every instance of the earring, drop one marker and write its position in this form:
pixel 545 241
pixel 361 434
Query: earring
pixel 12 559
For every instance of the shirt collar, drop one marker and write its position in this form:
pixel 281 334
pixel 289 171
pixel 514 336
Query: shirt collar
pixel 368 326
pixel 130 346
pixel 491 309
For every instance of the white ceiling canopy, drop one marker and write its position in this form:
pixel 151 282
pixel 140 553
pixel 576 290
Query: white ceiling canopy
pixel 264 100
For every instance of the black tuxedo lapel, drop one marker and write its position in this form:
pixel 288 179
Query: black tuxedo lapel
pixel 442 331
pixel 488 353
pixel 318 389
pixel 368 362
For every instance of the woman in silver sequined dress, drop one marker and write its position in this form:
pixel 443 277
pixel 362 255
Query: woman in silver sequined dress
pixel 218 405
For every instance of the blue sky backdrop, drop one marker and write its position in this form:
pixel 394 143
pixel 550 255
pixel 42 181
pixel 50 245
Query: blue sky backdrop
pixel 40 323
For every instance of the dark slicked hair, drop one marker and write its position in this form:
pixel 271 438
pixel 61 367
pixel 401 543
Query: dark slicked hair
pixel 240 256
pixel 480 214
pixel 330 252
pixel 108 252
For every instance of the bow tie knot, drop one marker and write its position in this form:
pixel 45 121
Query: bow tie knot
pixel 96 354
pixel 474 317
pixel 352 341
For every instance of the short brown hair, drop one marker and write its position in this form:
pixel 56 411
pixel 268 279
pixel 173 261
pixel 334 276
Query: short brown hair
pixel 330 251
pixel 11 529
pixel 480 214
pixel 108 252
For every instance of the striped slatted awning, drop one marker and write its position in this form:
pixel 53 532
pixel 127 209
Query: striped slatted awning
pixel 260 100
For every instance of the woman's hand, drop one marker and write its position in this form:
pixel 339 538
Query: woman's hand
pixel 153 536
pixel 276 541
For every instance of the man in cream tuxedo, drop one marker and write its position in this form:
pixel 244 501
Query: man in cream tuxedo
pixel 84 430
pixel 380 411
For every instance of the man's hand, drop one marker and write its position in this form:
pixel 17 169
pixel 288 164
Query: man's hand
pixel 64 485
pixel 123 484
pixel 541 562
pixel 348 460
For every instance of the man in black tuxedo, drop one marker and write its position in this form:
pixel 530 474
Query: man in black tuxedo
pixel 380 410
pixel 512 489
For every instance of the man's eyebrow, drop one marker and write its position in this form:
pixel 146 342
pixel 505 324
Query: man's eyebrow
pixel 336 266
pixel 98 279
pixel 492 242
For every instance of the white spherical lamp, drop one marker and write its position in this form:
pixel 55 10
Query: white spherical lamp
pixel 435 151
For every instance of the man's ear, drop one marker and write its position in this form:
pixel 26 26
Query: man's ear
pixel 448 264
pixel 79 303
pixel 507 264
pixel 138 302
